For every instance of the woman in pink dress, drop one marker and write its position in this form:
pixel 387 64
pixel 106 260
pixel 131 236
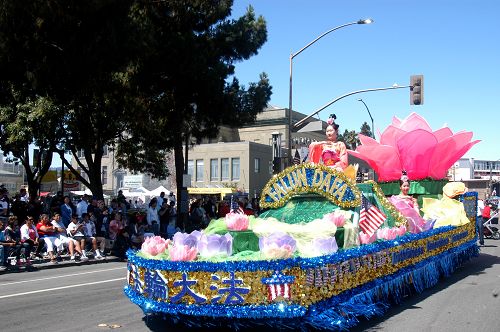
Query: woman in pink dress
pixel 330 152
pixel 408 206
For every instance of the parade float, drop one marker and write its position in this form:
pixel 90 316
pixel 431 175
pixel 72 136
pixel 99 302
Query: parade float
pixel 327 250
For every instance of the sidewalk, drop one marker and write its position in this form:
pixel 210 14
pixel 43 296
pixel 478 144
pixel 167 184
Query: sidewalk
pixel 39 264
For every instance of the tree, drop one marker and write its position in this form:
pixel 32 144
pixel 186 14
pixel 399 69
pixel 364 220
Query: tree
pixel 350 139
pixel 75 53
pixel 25 122
pixel 366 130
pixel 185 82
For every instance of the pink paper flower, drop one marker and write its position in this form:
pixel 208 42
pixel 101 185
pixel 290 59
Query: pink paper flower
pixel 154 245
pixel 389 233
pixel 277 245
pixel 401 230
pixel 336 218
pixel 237 221
pixel 182 253
pixel 411 145
pixel 366 239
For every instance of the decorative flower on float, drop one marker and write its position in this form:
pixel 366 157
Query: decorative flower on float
pixel 390 233
pixel 215 245
pixel 367 239
pixel 337 219
pixel 184 246
pixel 324 246
pixel 412 145
pixel 154 245
pixel 277 245
pixel 237 221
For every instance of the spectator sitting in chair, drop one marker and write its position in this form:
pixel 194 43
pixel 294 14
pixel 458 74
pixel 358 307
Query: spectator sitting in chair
pixel 75 231
pixel 11 239
pixel 5 247
pixel 29 237
pixel 70 243
pixel 48 233
pixel 89 230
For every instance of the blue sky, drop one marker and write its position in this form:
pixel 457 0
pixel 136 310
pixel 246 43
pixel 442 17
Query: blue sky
pixel 454 44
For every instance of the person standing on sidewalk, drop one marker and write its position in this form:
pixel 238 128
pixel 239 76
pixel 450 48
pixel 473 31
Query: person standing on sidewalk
pixel 486 214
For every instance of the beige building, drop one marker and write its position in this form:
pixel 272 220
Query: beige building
pixel 240 158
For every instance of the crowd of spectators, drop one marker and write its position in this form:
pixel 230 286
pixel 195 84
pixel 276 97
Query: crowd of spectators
pixel 90 229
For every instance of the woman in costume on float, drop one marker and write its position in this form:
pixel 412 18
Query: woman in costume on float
pixel 330 152
pixel 408 205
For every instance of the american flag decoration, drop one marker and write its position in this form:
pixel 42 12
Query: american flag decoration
pixel 296 158
pixel 235 207
pixel 370 218
pixel 278 286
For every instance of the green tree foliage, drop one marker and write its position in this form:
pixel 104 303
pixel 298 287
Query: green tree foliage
pixel 350 139
pixel 76 53
pixel 149 75
pixel 25 122
pixel 366 130
pixel 184 79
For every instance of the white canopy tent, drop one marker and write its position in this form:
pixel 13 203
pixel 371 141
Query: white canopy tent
pixel 156 192
pixel 85 192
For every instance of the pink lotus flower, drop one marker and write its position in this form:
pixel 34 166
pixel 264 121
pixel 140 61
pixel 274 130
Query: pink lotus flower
pixel 277 245
pixel 215 245
pixel 389 233
pixel 336 218
pixel 411 145
pixel 182 253
pixel 154 245
pixel 237 221
pixel 366 239
pixel 401 230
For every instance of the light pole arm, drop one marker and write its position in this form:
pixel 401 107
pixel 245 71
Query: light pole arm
pixel 371 118
pixel 293 55
pixel 347 95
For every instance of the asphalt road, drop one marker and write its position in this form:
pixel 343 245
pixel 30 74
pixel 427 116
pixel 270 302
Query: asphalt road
pixel 90 298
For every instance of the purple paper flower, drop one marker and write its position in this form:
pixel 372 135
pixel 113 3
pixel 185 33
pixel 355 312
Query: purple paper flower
pixel 325 246
pixel 185 239
pixel 277 245
pixel 215 245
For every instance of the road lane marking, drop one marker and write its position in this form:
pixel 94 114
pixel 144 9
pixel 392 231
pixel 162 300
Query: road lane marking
pixel 63 276
pixel 62 287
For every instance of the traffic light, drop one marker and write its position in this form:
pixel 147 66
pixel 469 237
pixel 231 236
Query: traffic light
pixel 416 89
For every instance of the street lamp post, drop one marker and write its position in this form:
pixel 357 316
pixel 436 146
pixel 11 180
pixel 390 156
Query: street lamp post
pixel 293 55
pixel 373 128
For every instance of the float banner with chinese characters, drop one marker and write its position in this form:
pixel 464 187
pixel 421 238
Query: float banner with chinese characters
pixel 297 287
pixel 309 178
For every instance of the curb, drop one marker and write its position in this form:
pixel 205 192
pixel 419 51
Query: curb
pixel 45 264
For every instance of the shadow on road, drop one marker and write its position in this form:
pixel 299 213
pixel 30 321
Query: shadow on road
pixel 476 266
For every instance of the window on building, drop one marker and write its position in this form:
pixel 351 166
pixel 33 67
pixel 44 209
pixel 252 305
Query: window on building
pixel 105 150
pixel 224 169
pixel 199 170
pixel 214 169
pixel 191 168
pixel 104 178
pixel 79 153
pixel 256 165
pixel 235 169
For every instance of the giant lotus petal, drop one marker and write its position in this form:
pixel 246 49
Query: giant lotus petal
pixel 411 145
